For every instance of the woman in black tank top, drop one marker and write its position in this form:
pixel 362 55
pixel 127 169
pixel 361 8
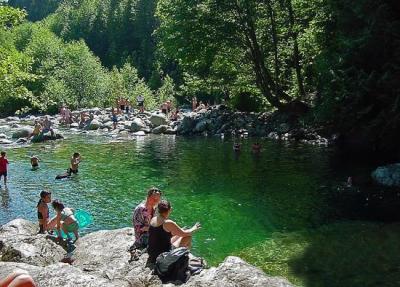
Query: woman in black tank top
pixel 164 234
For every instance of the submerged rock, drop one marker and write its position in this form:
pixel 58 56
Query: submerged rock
pixel 388 175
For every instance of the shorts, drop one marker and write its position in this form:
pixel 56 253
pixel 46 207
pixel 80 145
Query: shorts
pixel 35 165
pixel 45 131
pixel 140 104
pixel 122 107
pixel 70 171
pixel 3 173
pixel 142 242
pixel 164 111
pixel 114 119
pixel 72 227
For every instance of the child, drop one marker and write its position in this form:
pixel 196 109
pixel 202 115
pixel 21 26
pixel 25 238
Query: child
pixel 65 219
pixel 114 117
pixel 3 167
pixel 35 162
pixel 75 161
pixel 43 210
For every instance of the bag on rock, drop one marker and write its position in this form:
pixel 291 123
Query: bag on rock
pixel 173 265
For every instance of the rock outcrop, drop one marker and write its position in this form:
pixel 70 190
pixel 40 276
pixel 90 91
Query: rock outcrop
pixel 101 259
pixel 388 175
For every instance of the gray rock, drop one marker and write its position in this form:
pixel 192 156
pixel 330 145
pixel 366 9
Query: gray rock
pixel 3 136
pixel 5 141
pixel 388 175
pixel 137 125
pixel 170 131
pixel 94 125
pixel 186 125
pixel 160 129
pixel 158 119
pixel 74 125
pixel 201 126
pixel 139 133
pixel 22 132
pixel 102 259
pixel 19 242
pixel 234 272
pixel 13 119
pixel 22 140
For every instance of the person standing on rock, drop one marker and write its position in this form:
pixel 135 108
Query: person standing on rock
pixel 3 167
pixel 140 103
pixel 47 126
pixel 142 215
pixel 114 117
pixel 43 210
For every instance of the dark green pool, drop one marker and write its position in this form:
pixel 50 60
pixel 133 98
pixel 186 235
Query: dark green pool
pixel 240 199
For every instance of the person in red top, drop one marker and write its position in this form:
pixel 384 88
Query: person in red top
pixel 3 166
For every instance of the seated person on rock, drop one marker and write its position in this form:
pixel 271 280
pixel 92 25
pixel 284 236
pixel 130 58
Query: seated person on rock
pixel 142 215
pixel 47 126
pixel 35 162
pixel 19 278
pixel 65 220
pixel 165 234
pixel 37 129
pixel 43 211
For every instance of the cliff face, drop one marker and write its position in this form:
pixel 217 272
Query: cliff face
pixel 101 259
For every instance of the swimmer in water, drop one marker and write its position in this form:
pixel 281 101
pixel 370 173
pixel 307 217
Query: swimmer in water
pixel 35 162
pixel 256 147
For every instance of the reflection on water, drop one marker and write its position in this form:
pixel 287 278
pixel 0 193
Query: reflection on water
pixel 5 197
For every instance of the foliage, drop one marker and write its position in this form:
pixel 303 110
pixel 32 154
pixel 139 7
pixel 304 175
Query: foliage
pixel 36 10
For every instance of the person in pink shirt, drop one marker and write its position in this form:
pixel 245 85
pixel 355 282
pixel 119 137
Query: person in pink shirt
pixel 3 167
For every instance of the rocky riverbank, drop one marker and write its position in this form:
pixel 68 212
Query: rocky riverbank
pixel 216 120
pixel 101 259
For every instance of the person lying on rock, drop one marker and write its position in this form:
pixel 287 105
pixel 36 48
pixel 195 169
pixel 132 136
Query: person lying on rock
pixel 19 278
pixel 65 220
pixel 165 233
pixel 43 210
pixel 142 215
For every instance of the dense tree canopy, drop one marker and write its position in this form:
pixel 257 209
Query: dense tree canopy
pixel 338 57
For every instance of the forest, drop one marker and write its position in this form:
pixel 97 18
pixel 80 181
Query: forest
pixel 334 63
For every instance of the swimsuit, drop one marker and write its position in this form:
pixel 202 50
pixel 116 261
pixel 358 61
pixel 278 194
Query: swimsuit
pixel 159 242
pixel 71 171
pixel 114 118
pixel 40 215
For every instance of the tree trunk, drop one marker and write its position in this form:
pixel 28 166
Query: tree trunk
pixel 296 53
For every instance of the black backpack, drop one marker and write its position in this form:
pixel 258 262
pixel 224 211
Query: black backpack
pixel 173 265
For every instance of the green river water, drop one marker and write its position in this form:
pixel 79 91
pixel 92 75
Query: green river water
pixel 241 200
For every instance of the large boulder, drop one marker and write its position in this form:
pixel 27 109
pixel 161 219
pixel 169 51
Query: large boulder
pixel 5 141
pixel 137 125
pixel 234 272
pixel 160 129
pixel 105 253
pixel 388 175
pixel 158 119
pixel 94 125
pixel 19 242
pixel 22 132
pixel 187 124
pixel 102 259
pixel 59 275
pixel 202 126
